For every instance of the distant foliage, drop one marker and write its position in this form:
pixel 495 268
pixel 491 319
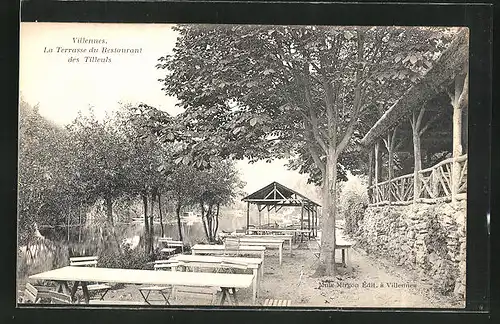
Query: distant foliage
pixel 353 202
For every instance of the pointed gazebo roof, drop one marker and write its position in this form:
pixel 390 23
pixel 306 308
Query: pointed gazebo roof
pixel 277 194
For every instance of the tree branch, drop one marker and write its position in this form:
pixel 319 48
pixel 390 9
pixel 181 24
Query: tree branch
pixel 420 115
pixel 357 97
pixel 394 137
pixel 312 115
pixel 426 126
pixel 464 96
pixel 314 154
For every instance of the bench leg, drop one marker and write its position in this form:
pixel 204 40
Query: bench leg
pixel 104 294
pixel 281 253
pixel 62 287
pixel 145 297
pixel 165 297
pixel 290 246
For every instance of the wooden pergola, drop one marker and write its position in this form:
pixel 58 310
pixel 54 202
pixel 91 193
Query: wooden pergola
pixel 276 196
pixel 430 118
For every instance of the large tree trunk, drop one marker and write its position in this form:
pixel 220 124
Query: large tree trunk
pixel 209 223
pixel 151 223
pixel 146 223
pixel 110 233
pixel 203 221
pixel 216 226
pixel 109 209
pixel 162 230
pixel 327 253
pixel 179 225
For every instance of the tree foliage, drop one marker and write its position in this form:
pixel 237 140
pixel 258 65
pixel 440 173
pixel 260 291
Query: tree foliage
pixel 65 171
pixel 297 92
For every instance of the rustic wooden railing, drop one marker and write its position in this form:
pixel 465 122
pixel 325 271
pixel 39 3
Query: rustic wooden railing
pixel 434 185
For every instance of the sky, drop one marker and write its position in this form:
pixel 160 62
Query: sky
pixel 62 88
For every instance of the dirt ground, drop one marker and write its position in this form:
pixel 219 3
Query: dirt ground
pixel 362 284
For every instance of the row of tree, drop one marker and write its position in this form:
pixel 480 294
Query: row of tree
pixel 90 161
pixel 306 93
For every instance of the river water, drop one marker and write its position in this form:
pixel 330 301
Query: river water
pixel 192 232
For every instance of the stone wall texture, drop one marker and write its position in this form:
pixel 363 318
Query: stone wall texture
pixel 430 239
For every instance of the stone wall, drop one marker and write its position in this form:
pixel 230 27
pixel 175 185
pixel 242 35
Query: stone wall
pixel 424 237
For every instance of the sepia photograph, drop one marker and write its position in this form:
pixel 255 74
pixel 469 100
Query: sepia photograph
pixel 219 165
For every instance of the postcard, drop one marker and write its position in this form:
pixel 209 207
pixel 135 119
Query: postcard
pixel 287 166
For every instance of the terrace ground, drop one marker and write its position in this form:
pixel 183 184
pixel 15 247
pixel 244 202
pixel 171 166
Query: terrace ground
pixel 351 287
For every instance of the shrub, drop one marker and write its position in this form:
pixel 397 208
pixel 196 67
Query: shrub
pixel 353 202
pixel 127 259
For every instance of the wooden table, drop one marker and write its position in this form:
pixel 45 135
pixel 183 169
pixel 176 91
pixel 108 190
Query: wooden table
pixel 267 242
pixel 280 231
pixel 344 246
pixel 80 276
pixel 220 249
pixel 271 230
pixel 215 262
pixel 286 237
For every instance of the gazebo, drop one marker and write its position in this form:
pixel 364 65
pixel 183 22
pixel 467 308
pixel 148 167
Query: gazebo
pixel 276 196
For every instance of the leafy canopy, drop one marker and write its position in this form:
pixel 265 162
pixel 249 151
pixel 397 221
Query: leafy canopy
pixel 265 92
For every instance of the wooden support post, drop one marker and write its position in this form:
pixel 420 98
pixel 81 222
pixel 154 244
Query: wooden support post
pixel 389 144
pixel 458 102
pixel 370 176
pixel 302 216
pixel 313 220
pixel 308 219
pixel 248 214
pixel 415 126
pixel 377 159
pixel 317 221
pixel 268 221
pixel 260 215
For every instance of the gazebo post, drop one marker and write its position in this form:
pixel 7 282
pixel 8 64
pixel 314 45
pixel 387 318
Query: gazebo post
pixel 316 225
pixel 315 218
pixel 248 214
pixel 268 221
pixel 309 221
pixel 260 222
pixel 312 214
pixel 301 216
